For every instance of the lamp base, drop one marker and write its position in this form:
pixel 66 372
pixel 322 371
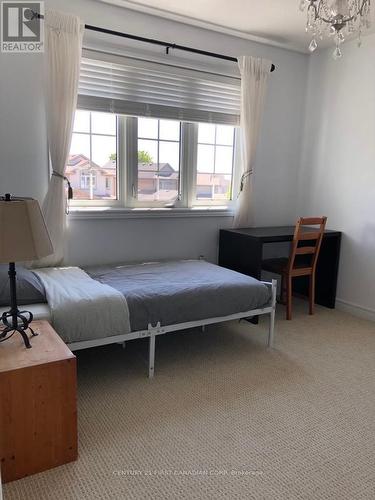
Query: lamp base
pixel 17 321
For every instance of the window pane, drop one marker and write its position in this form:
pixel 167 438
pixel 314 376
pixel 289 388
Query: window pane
pixel 206 158
pixel 103 123
pixel 147 169
pixel 169 152
pixel 213 187
pixel 222 187
pixel 169 165
pixel 103 150
pixel 167 183
pixel 206 133
pixel 154 185
pixel 147 151
pixel 224 160
pixel 80 145
pixel 204 186
pixel 148 128
pixel 169 130
pixel 81 121
pixel 224 135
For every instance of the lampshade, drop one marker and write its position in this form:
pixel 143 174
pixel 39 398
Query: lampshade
pixel 23 232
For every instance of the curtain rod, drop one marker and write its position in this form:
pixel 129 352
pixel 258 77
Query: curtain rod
pixel 167 45
pixel 170 64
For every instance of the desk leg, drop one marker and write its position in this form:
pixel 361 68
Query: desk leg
pixel 327 272
pixel 242 254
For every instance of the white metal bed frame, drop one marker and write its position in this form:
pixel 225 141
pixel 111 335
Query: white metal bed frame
pixel 153 331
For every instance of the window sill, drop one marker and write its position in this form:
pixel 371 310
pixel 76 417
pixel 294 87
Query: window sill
pixel 146 213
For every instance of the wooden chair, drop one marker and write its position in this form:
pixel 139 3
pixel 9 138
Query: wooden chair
pixel 302 259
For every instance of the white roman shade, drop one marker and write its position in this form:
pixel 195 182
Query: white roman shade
pixel 135 87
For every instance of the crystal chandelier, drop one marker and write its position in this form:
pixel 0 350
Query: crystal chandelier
pixel 336 18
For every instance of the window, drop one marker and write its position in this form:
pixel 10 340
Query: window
pixel 150 162
pixel 92 161
pixel 215 162
pixel 88 180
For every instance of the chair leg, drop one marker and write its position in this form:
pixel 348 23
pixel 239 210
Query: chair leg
pixel 312 294
pixel 289 298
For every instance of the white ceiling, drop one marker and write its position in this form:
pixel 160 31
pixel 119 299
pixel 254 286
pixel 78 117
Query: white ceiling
pixel 279 22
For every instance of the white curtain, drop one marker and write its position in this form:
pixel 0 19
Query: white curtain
pixel 254 76
pixel 63 39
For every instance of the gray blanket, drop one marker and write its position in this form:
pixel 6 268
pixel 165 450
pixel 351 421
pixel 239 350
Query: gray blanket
pixel 183 291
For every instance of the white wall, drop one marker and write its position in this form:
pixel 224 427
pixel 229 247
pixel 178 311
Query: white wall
pixel 337 177
pixel 94 241
pixel 23 149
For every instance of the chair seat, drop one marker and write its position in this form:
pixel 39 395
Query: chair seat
pixel 280 266
pixel 277 266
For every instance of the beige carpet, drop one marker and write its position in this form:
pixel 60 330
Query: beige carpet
pixel 225 418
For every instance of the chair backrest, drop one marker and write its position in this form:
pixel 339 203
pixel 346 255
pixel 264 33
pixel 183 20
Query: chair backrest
pixel 310 239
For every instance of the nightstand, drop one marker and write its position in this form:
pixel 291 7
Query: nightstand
pixel 38 404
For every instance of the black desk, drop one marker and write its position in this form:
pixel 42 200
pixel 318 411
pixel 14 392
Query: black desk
pixel 242 251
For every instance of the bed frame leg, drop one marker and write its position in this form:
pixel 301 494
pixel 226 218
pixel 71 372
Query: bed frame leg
pixel 271 330
pixel 151 356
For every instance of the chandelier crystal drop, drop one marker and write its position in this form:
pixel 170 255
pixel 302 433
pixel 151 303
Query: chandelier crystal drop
pixel 337 19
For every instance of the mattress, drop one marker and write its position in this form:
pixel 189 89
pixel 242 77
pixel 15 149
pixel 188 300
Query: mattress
pixel 39 311
pixel 182 291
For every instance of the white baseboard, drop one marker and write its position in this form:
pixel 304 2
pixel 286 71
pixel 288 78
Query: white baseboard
pixel 355 309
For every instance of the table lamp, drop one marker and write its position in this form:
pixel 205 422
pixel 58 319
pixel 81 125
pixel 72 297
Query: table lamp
pixel 23 237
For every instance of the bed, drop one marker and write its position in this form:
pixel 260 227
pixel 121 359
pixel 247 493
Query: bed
pixel 157 298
